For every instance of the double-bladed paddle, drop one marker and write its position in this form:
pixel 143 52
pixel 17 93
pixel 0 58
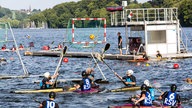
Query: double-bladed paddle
pixel 59 64
pixel 99 57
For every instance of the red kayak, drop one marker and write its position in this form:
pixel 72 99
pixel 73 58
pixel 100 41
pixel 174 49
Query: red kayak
pixel 93 90
pixel 137 106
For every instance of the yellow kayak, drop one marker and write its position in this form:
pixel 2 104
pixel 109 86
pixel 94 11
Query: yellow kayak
pixel 44 90
pixel 126 89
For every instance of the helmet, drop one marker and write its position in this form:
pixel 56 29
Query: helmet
pixel 173 87
pixel 46 74
pixel 52 95
pixel 146 82
pixel 130 72
pixel 83 73
pixel 143 87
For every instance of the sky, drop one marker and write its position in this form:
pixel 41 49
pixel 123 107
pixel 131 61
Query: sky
pixel 36 4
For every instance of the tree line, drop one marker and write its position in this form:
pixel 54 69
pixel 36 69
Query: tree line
pixel 59 15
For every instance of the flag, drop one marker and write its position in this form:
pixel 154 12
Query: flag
pixel 130 15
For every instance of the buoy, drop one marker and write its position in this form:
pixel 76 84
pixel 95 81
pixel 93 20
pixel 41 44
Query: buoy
pixel 92 37
pixel 147 64
pixel 45 48
pixel 176 66
pixel 65 60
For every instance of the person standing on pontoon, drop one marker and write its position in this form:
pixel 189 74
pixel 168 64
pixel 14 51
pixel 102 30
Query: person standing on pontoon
pixel 50 103
pixel 46 82
pixel 120 43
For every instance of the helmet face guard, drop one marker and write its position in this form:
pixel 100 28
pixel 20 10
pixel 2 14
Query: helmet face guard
pixel 173 87
pixel 143 87
pixel 52 95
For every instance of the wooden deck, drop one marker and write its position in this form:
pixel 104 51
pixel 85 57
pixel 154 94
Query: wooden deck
pixel 106 56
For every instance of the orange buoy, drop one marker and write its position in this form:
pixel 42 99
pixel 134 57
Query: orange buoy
pixel 65 60
pixel 176 66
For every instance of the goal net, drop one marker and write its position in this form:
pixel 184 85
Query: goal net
pixel 86 32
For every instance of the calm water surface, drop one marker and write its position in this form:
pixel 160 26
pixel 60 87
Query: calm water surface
pixel 159 73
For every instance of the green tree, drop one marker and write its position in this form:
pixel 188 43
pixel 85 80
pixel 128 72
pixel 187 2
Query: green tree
pixel 185 13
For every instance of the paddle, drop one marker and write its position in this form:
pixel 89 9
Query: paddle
pixel 107 46
pixel 113 72
pixel 59 64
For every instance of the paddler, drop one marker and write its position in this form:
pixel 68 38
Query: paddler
pixel 130 79
pixel 46 82
pixel 49 103
pixel 151 89
pixel 145 57
pixel 21 47
pixel 158 55
pixel 144 97
pixel 171 98
pixel 188 80
pixel 90 75
pixel 85 83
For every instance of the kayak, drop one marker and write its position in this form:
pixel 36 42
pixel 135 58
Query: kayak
pixel 125 89
pixel 138 106
pixel 93 90
pixel 63 90
pixel 137 60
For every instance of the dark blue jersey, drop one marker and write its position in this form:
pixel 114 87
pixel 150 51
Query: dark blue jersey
pixel 50 104
pixel 170 99
pixel 147 101
pixel 86 84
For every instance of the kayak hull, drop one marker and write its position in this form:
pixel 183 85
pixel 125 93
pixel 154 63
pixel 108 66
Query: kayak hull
pixel 42 90
pixel 137 106
pixel 126 89
pixel 63 90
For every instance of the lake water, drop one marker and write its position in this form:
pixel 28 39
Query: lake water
pixel 159 73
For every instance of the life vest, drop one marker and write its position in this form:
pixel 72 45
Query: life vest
pixel 43 85
pixel 128 79
pixel 147 101
pixel 152 92
pixel 86 84
pixel 50 104
pixel 170 100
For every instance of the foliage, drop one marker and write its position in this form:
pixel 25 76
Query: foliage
pixel 185 13
pixel 59 15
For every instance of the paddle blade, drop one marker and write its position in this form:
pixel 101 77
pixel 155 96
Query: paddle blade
pixel 65 49
pixel 107 46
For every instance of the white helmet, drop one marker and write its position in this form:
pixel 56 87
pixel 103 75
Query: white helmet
pixel 130 72
pixel 146 82
pixel 46 74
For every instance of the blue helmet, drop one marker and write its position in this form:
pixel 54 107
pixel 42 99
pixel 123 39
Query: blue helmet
pixel 83 73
